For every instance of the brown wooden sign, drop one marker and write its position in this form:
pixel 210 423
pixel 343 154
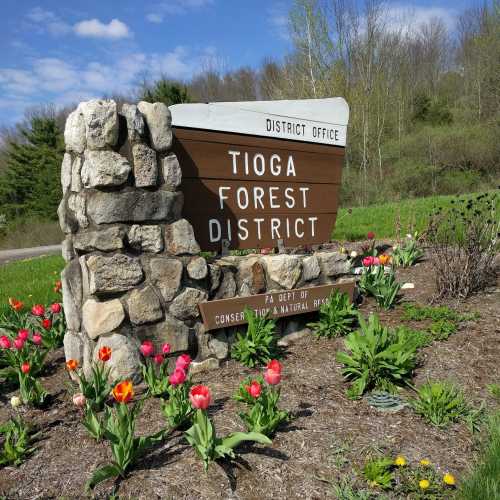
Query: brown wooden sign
pixel 230 312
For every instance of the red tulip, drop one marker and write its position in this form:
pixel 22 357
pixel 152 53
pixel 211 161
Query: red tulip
pixel 370 235
pixel 165 348
pixel 37 338
pixel 47 324
pixel 199 395
pixel 158 359
pixel 177 377
pixel 5 342
pixel 38 310
pixel 254 389
pixel 56 308
pixel 272 377
pixel 23 334
pixel 183 362
pixel 105 353
pixel 147 348
pixel 274 365
pixel 25 367
pixel 18 343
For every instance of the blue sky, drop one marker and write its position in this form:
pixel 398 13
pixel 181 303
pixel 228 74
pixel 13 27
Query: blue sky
pixel 66 51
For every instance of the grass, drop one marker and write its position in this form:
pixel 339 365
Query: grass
pixel 32 233
pixel 31 281
pixel 484 480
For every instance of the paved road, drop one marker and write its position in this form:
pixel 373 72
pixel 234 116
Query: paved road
pixel 28 253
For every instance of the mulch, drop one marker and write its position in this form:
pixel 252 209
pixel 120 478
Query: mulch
pixel 329 437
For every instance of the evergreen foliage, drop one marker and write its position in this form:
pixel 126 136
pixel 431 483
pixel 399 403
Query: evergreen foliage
pixel 166 91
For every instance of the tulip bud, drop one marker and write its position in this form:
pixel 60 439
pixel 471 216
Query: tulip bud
pixel 18 343
pixel 15 401
pixel 38 310
pixel 183 362
pixel 354 254
pixel 47 324
pixel 177 377
pixel 37 338
pixel 25 368
pixel 5 342
pixel 272 377
pixel 79 400
pixel 158 359
pixel 55 308
pixel 200 397
pixel 23 334
pixel 165 348
pixel 147 348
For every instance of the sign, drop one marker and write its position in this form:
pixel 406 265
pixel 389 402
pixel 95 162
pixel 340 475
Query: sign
pixel 257 173
pixel 230 312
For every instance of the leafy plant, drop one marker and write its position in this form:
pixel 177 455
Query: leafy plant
pixel 345 490
pixel 494 390
pixel 337 316
pixel 379 358
pixel 407 254
pixel 18 440
pixel 441 403
pixel 95 422
pixel 259 343
pixel 442 329
pixel 177 409
pixel 120 432
pixel 420 338
pixel 379 472
pixel 380 284
pixel 416 312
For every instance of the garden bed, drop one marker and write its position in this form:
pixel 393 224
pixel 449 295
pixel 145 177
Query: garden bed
pixel 329 437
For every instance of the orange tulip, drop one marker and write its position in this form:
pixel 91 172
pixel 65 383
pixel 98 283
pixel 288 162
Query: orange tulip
pixel 384 259
pixel 123 392
pixel 105 353
pixel 58 286
pixel 72 365
pixel 17 305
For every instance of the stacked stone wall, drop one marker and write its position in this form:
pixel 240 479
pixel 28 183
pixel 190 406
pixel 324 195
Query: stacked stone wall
pixel 133 266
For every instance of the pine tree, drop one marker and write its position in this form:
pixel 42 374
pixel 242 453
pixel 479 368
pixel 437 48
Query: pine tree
pixel 30 185
pixel 165 91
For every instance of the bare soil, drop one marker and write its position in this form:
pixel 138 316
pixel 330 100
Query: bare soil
pixel 330 436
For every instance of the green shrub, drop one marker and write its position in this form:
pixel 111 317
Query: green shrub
pixel 337 316
pixel 18 440
pixel 379 358
pixel 441 403
pixel 259 344
pixel 442 329
pixel 416 312
pixel 419 338
pixel 378 472
pixel 407 254
pixel 380 284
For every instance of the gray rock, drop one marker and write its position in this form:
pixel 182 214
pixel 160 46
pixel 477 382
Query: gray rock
pixel 77 204
pixel 66 172
pixel 251 277
pixel 146 238
pixel 101 123
pixel 215 275
pixel 227 287
pixel 310 268
pixel 117 273
pixel 104 168
pixel 185 305
pixel 197 268
pixel 74 132
pixel 285 270
pixel 206 365
pixel 179 238
pixel 99 318
pixel 67 250
pixel 333 263
pixel 125 359
pixel 134 206
pixel 293 337
pixel 145 168
pixel 73 347
pixel 218 345
pixel 171 330
pixel 144 306
pixel 158 120
pixel 72 293
pixel 76 179
pixel 105 240
pixel 135 122
pixel 172 173
pixel 66 223
pixel 166 274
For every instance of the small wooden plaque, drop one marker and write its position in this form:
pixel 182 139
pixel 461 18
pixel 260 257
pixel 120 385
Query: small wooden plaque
pixel 229 312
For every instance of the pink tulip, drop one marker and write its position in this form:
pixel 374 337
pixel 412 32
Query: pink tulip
pixel 177 377
pixel 368 261
pixel 200 397
pixel 37 338
pixel 5 342
pixel 18 343
pixel 376 261
pixel 23 334
pixel 254 389
pixel 38 310
pixel 158 359
pixel 55 308
pixel 272 377
pixel 25 368
pixel 79 400
pixel 183 362
pixel 274 365
pixel 147 348
pixel 165 348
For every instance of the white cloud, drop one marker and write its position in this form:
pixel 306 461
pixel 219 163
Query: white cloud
pixel 94 28
pixel 174 7
pixel 47 21
pixel 406 17
pixel 278 20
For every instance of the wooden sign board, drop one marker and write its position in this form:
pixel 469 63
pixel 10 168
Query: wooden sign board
pixel 253 177
pixel 230 312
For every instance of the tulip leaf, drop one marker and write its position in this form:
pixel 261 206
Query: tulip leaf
pixel 235 439
pixel 99 475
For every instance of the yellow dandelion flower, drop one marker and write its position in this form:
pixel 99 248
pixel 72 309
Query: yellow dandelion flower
pixel 449 479
pixel 424 484
pixel 425 462
pixel 400 461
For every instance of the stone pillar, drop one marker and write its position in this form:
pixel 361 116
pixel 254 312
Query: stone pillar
pixel 130 273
